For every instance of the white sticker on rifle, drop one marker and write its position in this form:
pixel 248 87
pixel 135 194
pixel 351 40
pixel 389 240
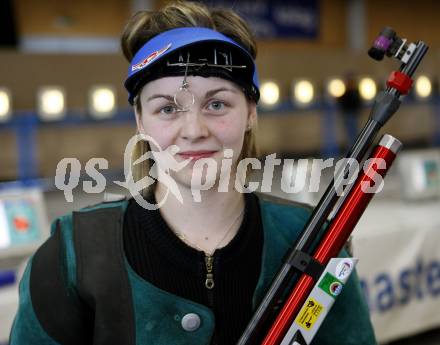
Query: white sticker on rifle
pixel 344 268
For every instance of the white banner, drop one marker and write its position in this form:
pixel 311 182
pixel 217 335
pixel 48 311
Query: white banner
pixel 397 244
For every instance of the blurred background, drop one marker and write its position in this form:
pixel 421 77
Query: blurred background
pixel 62 96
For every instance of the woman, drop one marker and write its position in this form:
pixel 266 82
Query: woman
pixel 194 270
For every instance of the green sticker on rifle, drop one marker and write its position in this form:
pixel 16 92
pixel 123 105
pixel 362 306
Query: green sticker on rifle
pixel 331 285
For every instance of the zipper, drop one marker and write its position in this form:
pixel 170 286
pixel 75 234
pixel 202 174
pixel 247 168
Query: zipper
pixel 209 280
pixel 209 263
pixel 209 284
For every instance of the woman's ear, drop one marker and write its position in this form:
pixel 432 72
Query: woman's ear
pixel 252 114
pixel 138 115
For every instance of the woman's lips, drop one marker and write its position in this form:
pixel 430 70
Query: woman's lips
pixel 194 155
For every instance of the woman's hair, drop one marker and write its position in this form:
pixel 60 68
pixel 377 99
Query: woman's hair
pixel 144 25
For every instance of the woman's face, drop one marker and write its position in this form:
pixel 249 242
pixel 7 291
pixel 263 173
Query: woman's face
pixel 216 121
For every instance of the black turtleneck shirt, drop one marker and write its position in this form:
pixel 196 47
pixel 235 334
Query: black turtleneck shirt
pixel 160 257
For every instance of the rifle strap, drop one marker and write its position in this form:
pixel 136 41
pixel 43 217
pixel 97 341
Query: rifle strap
pixel 102 278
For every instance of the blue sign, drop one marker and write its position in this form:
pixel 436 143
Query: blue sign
pixel 276 19
pixel 22 220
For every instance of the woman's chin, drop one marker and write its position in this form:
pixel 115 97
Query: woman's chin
pixel 196 178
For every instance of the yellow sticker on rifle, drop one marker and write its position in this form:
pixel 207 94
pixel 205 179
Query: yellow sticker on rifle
pixel 309 314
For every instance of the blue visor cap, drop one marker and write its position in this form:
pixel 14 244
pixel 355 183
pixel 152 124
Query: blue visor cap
pixel 208 52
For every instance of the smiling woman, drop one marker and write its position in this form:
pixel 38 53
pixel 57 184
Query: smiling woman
pixel 194 271
pixel 213 61
pixel 217 120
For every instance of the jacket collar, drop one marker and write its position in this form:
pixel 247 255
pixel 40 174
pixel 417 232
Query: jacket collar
pixel 282 223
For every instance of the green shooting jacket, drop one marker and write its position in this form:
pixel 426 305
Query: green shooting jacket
pixel 153 316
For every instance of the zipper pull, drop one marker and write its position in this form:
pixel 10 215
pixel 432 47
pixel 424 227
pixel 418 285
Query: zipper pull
pixel 209 282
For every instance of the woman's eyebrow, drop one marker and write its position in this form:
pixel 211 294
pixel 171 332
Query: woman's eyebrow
pixel 213 92
pixel 167 97
pixel 208 94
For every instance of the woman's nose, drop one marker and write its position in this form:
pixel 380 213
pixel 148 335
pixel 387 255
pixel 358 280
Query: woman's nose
pixel 194 126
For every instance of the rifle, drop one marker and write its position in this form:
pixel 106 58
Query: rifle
pixel 305 264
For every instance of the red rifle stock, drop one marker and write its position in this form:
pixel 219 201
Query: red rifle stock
pixel 386 104
pixel 338 232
